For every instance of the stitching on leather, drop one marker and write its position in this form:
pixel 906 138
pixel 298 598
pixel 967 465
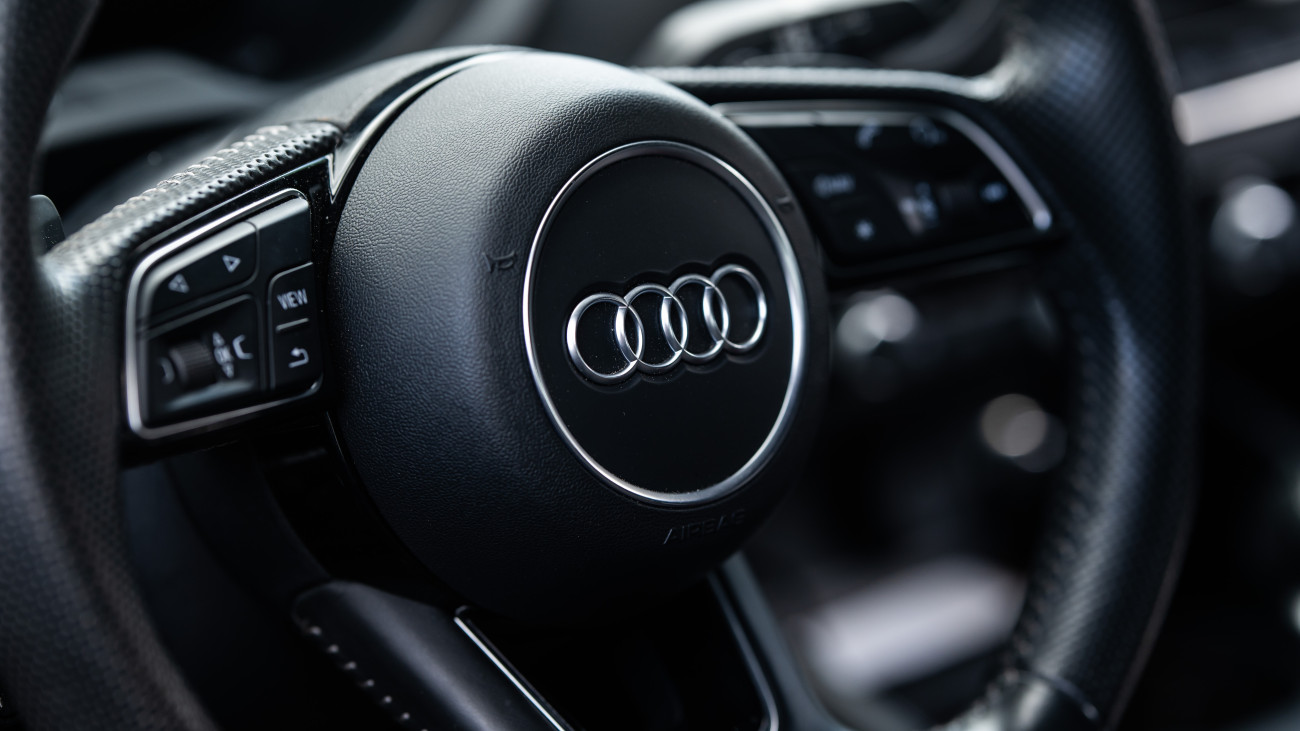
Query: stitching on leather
pixel 350 667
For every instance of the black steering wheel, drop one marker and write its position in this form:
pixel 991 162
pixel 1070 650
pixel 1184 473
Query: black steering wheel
pixel 568 324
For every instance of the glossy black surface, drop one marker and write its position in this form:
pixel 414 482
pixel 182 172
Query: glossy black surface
pixel 297 358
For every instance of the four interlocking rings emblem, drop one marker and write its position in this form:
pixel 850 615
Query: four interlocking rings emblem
pixel 715 313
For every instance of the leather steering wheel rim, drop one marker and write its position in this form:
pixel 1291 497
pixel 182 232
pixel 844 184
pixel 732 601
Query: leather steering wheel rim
pixel 1079 101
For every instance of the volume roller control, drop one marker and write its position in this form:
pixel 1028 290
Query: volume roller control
pixel 212 360
pixel 193 365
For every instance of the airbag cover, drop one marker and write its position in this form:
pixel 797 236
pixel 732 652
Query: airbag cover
pixel 491 208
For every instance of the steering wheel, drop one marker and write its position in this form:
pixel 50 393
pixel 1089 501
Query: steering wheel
pixel 569 325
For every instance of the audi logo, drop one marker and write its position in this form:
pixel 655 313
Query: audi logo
pixel 673 322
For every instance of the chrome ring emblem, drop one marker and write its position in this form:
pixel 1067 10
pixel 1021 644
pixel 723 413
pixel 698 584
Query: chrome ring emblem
pixel 715 312
pixel 760 299
pixel 676 344
pixel 599 321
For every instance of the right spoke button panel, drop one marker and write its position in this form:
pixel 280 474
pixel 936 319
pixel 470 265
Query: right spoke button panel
pixel 882 183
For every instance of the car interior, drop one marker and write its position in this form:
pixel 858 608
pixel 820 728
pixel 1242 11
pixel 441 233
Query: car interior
pixel 654 365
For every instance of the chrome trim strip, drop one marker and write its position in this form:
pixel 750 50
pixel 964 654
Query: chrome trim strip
pixel 756 673
pixel 794 288
pixel 841 113
pixel 131 373
pixel 486 648
pixel 1238 105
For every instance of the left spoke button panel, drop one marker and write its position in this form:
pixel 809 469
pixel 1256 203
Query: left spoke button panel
pixel 206 323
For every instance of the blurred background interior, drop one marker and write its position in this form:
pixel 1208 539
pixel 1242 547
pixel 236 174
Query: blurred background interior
pixel 896 569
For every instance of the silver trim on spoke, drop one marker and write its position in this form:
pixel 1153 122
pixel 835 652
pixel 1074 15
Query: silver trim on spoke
pixel 541 706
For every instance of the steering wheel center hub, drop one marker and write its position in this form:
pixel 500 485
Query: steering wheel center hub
pixel 566 342
pixel 664 320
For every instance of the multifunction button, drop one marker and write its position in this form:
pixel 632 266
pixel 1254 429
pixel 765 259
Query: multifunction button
pixel 295 332
pixel 221 262
pixel 285 235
